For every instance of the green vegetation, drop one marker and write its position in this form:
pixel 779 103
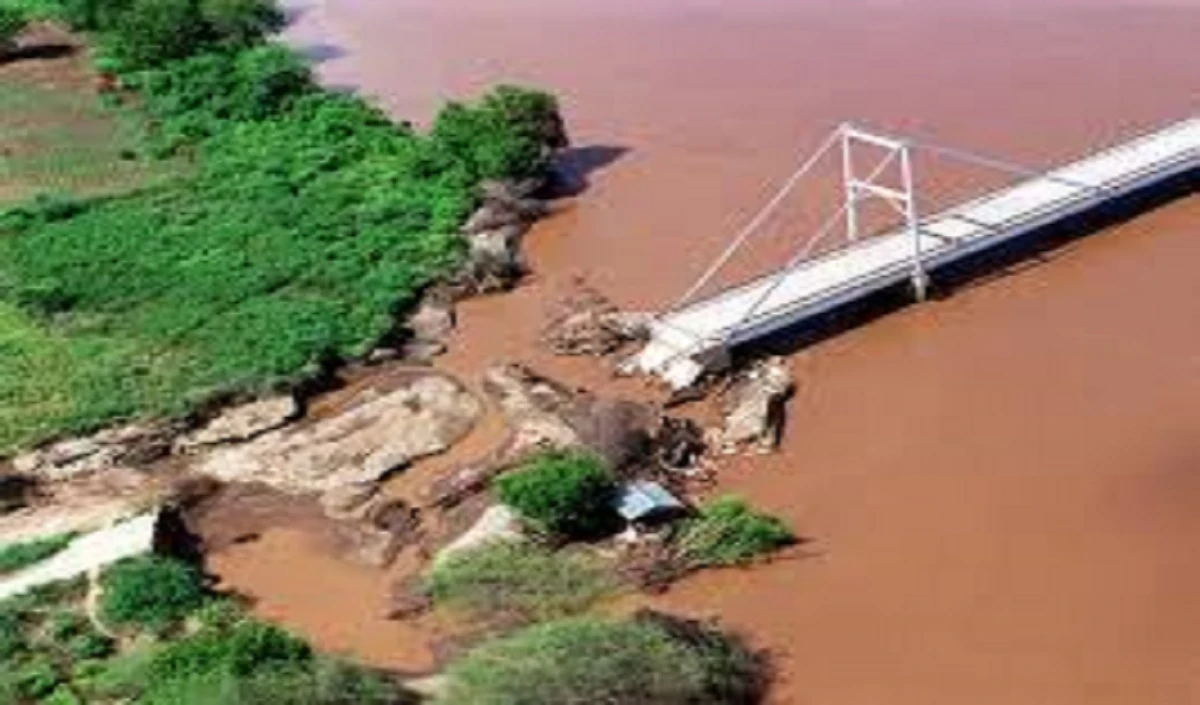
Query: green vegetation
pixel 14 557
pixel 650 661
pixel 138 34
pixel 12 21
pixel 519 581
pixel 566 493
pixel 50 652
pixel 150 593
pixel 729 532
pixel 307 223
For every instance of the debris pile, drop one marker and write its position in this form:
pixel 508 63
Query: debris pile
pixel 753 406
pixel 585 322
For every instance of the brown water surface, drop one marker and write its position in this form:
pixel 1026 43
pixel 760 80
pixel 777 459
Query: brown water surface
pixel 1004 486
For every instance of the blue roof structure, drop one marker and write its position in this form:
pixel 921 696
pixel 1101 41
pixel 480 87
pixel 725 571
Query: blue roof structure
pixel 644 499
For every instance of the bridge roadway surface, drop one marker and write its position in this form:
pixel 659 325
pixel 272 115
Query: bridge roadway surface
pixel 681 340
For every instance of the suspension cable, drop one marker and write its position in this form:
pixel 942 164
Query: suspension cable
pixel 806 250
pixel 757 220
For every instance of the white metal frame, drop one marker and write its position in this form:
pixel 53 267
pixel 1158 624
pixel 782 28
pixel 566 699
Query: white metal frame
pixel 902 197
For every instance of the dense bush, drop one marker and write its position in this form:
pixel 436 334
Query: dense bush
pixel 512 133
pixel 150 592
pixel 643 661
pixel 509 580
pixel 12 21
pixel 565 493
pixel 729 532
pixel 20 555
pixel 195 98
pixel 139 34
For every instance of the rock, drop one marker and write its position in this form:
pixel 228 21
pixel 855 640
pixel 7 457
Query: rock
pixel 348 500
pixel 429 327
pixel 429 687
pixel 753 407
pixel 513 191
pixel 241 423
pixel 378 433
pixel 450 490
pixel 617 430
pixel 498 523
pixel 543 414
pixel 494 259
pixel 374 548
pixel 395 516
pixel 491 217
pixel 433 320
pixel 533 407
pixel 494 233
pixel 125 446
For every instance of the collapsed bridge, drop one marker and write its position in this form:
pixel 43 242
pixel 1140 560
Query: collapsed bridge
pixel 695 332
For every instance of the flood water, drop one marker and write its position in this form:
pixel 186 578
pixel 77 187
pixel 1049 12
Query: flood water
pixel 1003 487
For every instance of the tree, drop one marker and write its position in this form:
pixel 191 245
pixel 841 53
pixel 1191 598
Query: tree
pixel 150 592
pixel 12 21
pixel 568 493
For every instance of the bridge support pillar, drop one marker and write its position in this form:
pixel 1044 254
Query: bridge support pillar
pixel 920 284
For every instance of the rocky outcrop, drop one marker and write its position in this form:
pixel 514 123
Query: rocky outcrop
pixel 344 456
pixel 429 327
pixel 752 407
pixel 494 235
pixel 129 446
pixel 542 414
pixel 497 523
pixel 242 423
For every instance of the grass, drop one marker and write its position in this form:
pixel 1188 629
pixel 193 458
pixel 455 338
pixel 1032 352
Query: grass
pixel 22 555
pixel 513 580
pixel 729 532
pixel 56 139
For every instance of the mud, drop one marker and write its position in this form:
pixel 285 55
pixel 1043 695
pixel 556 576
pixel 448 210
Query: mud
pixel 1003 484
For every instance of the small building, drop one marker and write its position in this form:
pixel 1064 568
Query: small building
pixel 644 502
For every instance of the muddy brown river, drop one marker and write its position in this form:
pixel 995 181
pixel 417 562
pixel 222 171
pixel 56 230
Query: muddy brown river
pixel 1003 487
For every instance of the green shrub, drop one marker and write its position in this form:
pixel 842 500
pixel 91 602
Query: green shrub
pixel 141 34
pixel 36 678
pixel 151 593
pixel 146 33
pixel 564 493
pixel 597 661
pixel 21 555
pixel 512 133
pixel 12 631
pixel 62 695
pixel 509 579
pixel 12 21
pixel 729 532
pixel 90 645
pixel 236 24
pixel 195 98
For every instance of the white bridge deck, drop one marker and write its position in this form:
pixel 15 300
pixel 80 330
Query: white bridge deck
pixel 681 339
